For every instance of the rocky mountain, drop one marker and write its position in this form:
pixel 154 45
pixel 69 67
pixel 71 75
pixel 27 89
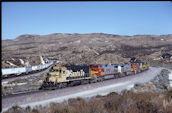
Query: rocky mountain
pixel 88 48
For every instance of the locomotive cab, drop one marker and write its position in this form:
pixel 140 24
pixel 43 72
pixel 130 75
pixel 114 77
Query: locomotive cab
pixel 57 74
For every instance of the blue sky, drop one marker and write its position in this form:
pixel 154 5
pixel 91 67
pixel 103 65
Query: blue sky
pixel 123 18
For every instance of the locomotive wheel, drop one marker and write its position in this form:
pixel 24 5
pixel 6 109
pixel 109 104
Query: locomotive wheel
pixel 123 74
pixel 119 75
pixel 71 84
pixel 93 81
pixel 84 82
pixel 55 86
pixel 99 79
pixel 44 85
pixel 50 85
pixel 41 88
pixel 62 85
pixel 115 76
pixel 126 74
pixel 65 85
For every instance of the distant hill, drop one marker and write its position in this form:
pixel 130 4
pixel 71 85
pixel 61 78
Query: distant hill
pixel 88 48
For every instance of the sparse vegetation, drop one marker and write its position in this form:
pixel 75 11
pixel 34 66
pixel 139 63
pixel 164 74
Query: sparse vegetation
pixel 126 102
pixel 87 48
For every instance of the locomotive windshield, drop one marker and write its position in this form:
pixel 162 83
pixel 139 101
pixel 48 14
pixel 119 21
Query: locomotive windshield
pixel 54 70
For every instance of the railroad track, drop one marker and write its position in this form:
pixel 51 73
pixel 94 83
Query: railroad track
pixel 46 96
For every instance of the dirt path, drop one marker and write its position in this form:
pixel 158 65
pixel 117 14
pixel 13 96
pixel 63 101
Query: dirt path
pixel 88 90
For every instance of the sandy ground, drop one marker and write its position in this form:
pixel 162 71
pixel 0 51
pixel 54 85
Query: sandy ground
pixel 87 90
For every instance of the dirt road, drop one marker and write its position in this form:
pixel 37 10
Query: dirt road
pixel 87 90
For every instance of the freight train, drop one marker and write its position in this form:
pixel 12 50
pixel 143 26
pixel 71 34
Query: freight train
pixel 21 71
pixel 71 75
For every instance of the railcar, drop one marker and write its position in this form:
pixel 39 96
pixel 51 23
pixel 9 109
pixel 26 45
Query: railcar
pixel 104 71
pixel 138 66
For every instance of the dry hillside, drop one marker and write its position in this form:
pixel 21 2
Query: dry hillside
pixel 88 48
